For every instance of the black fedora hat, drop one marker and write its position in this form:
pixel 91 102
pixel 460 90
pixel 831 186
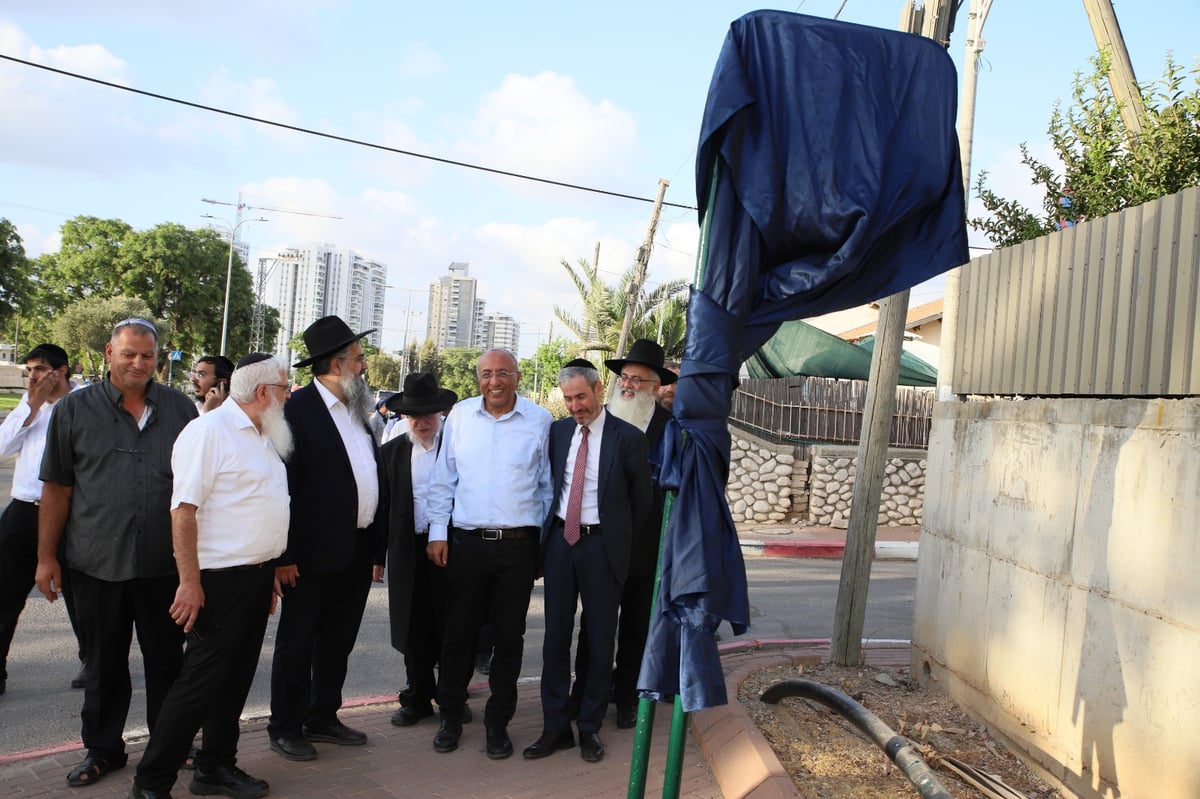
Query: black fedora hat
pixel 421 396
pixel 326 336
pixel 647 353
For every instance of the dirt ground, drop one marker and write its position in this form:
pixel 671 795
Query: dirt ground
pixel 829 758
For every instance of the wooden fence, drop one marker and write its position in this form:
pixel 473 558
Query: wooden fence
pixel 818 409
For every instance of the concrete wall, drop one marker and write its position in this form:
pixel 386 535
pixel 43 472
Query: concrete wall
pixel 1057 589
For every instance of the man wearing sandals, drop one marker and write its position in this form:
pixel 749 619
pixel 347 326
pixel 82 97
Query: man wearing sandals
pixel 229 520
pixel 106 490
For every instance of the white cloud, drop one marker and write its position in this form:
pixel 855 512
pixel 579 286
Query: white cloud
pixel 420 61
pixel 545 126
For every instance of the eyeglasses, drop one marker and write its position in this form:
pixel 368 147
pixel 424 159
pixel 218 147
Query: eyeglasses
pixel 284 386
pixel 360 358
pixel 636 381
pixel 138 322
pixel 499 374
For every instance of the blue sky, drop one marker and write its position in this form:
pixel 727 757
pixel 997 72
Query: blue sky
pixel 606 95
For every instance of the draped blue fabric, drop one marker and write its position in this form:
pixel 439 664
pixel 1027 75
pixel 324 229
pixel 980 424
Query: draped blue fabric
pixel 828 175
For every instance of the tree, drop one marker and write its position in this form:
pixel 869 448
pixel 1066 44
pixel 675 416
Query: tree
pixel 457 371
pixel 15 284
pixel 86 326
pixel 599 327
pixel 1104 167
pixel 383 371
pixel 86 264
pixel 539 374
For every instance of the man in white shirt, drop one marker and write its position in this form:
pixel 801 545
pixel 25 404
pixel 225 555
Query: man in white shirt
pixel 229 521
pixel 490 494
pixel 416 588
pixel 24 434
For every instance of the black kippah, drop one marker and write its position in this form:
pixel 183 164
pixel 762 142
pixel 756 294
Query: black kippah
pixel 254 357
pixel 582 363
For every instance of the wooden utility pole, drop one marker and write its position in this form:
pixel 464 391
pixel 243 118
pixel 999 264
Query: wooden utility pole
pixel 850 614
pixel 1120 69
pixel 639 276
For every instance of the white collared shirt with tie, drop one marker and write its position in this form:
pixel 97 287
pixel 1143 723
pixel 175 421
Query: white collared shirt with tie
pixel 591 479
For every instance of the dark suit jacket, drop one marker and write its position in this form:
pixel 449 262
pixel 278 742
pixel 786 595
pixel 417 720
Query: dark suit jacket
pixel 644 559
pixel 624 485
pixel 324 519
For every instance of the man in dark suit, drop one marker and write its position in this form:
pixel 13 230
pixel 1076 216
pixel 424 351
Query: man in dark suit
pixel 602 489
pixel 416 588
pixel 639 376
pixel 325 573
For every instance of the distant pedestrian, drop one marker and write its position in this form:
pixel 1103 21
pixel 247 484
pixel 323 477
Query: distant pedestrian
pixel 106 490
pixel 229 518
pixel 209 379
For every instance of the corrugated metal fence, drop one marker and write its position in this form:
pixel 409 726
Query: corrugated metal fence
pixel 1106 308
pixel 819 409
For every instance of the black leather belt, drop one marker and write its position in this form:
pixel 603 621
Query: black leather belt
pixel 499 533
pixel 584 529
pixel 244 568
pixel 34 503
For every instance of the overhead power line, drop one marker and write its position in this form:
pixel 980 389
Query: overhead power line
pixel 335 137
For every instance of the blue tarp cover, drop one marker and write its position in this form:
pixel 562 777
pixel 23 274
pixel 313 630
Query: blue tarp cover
pixel 827 176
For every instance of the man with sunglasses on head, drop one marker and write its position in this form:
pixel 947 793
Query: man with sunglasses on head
pixel 106 490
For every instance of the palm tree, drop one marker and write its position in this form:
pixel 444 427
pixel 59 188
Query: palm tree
pixel 599 327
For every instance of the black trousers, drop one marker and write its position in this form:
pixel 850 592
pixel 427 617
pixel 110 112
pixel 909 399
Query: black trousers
pixel 219 661
pixel 490 581
pixel 108 613
pixel 18 564
pixel 318 626
pixel 633 625
pixel 573 573
pixel 426 628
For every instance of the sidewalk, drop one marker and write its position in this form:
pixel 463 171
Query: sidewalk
pixel 801 541
pixel 725 755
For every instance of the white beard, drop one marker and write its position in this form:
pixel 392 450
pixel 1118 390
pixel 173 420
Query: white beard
pixel 637 411
pixel 277 430
pixel 358 398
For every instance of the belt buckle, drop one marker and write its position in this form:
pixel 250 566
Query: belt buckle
pixel 492 534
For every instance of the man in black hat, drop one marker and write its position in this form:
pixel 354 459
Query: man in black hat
pixel 639 375
pixel 24 434
pixel 416 588
pixel 325 573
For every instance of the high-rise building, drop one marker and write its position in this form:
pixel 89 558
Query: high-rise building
pixel 501 330
pixel 310 281
pixel 455 312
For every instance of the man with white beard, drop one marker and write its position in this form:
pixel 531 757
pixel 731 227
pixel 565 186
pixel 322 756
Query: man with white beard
pixel 229 521
pixel 639 375
pixel 325 573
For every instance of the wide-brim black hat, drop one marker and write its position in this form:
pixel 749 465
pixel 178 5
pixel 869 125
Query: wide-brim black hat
pixel 421 396
pixel 328 336
pixel 647 353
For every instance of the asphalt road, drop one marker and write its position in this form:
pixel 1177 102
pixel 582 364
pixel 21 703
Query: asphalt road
pixel 790 598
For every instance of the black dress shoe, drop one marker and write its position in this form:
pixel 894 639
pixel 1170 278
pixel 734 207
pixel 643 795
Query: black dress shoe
pixel 228 781
pixel 411 714
pixel 626 717
pixel 447 736
pixel 335 732
pixel 499 745
pixel 294 747
pixel 548 744
pixel 146 793
pixel 590 748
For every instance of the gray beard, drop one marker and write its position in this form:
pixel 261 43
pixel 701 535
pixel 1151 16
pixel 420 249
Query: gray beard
pixel 277 430
pixel 358 398
pixel 637 411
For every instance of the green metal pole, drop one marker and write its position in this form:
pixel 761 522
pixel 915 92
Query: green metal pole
pixel 645 722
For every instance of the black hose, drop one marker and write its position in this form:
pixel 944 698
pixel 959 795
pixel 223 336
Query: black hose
pixel 895 746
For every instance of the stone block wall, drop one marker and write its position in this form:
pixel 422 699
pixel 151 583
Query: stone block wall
pixel 760 487
pixel 831 486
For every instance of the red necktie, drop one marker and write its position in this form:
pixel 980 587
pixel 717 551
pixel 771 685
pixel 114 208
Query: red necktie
pixel 575 498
